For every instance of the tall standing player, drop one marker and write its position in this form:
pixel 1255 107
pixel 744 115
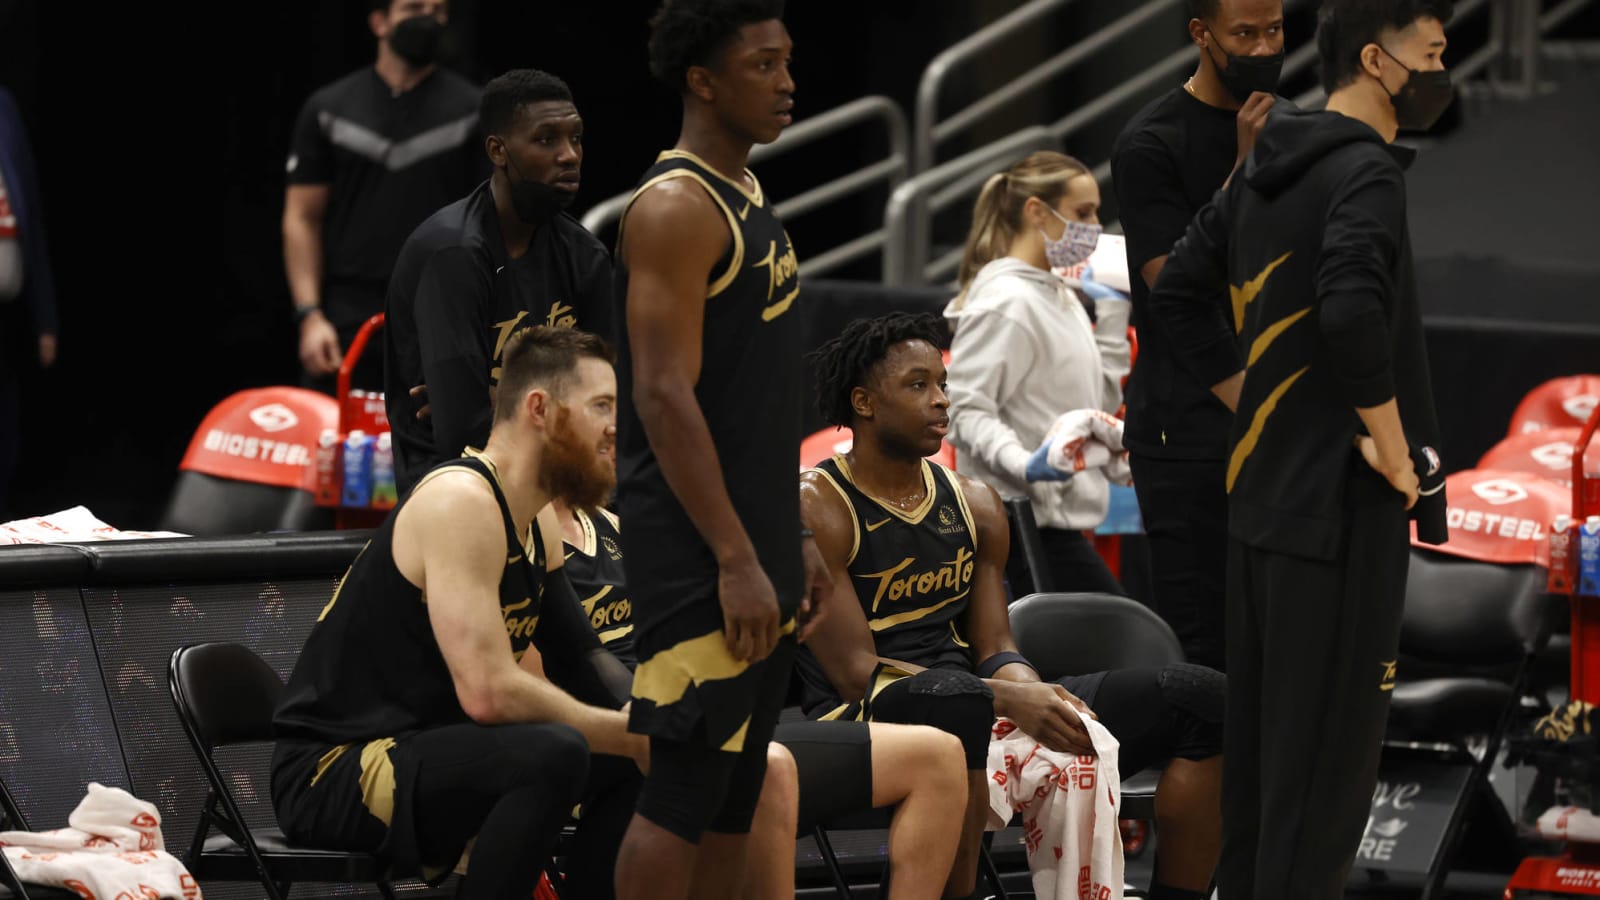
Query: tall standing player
pixel 709 445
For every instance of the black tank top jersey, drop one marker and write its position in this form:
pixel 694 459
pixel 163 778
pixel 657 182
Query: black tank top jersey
pixel 371 667
pixel 595 569
pixel 912 573
pixel 750 392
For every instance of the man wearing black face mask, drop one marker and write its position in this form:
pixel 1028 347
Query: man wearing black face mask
pixel 504 256
pixel 1166 164
pixel 373 154
pixel 1332 442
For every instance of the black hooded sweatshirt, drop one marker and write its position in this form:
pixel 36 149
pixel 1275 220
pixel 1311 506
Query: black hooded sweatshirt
pixel 1323 314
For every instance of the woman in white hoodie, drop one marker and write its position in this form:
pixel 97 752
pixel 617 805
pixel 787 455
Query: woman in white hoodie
pixel 1029 347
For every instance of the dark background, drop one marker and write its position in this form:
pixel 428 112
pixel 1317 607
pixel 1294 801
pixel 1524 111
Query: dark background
pixel 160 136
pixel 160 133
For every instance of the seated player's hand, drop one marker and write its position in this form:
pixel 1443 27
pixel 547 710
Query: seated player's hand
pixel 749 610
pixel 1051 715
pixel 819 590
pixel 420 394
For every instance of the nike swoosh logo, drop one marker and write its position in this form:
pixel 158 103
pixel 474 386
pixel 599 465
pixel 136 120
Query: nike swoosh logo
pixel 874 526
pixel 744 212
pixel 569 555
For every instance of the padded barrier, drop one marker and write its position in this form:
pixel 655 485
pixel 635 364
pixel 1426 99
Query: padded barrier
pixel 86 632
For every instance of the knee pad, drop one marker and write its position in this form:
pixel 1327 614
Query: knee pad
pixel 1196 695
pixel 950 700
pixel 686 787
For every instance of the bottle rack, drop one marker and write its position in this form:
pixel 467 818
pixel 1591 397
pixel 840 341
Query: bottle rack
pixel 1576 871
pixel 358 411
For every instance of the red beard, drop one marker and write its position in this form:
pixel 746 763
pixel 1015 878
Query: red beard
pixel 573 470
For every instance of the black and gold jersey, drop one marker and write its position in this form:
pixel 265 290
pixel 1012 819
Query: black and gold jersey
pixel 750 391
pixel 911 571
pixel 594 566
pixel 371 667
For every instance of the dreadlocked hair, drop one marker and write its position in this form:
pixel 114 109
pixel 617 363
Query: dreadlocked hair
pixel 844 363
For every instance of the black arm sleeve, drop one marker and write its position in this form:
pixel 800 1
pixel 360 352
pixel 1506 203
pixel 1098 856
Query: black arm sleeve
pixel 1354 288
pixel 573 656
pixel 452 311
pixel 1185 297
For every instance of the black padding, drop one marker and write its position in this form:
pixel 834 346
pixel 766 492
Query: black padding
pixel 1438 709
pixel 1470 613
pixel 1197 691
pixel 27 565
pixel 950 700
pixel 1077 634
pixel 227 691
pixel 207 506
pixel 230 559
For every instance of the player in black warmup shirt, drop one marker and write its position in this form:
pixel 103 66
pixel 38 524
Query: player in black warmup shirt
pixel 709 443
pixel 1330 444
pixel 919 629
pixel 503 257
pixel 1172 156
pixel 452 687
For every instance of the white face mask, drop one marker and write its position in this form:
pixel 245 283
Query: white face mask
pixel 1077 241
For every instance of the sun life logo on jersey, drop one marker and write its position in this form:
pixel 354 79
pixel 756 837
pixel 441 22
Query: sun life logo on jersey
pixel 274 417
pixel 950 521
pixel 1500 492
pixel 612 550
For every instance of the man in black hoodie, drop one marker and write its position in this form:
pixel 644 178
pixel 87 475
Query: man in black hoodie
pixel 1322 357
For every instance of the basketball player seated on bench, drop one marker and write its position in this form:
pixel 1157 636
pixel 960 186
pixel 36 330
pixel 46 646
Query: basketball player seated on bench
pixel 918 554
pixel 815 770
pixel 452 687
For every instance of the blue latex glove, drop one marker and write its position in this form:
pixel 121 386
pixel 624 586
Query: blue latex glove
pixel 1096 290
pixel 1039 468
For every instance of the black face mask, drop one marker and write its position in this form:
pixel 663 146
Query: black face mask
pixel 1422 99
pixel 1245 75
pixel 417 40
pixel 535 202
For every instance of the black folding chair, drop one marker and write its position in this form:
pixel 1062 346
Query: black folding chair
pixel 1076 634
pixel 11 886
pixel 879 820
pixel 1027 569
pixel 1470 639
pixel 225 695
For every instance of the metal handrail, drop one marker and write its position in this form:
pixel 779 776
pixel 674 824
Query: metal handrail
pixel 927 132
pixel 892 169
pixel 913 203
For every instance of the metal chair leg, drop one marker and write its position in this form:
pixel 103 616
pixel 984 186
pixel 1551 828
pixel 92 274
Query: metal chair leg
pixel 825 848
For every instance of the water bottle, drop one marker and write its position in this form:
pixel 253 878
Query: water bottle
pixel 1589 558
pixel 357 469
pixel 1561 556
pixel 383 489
